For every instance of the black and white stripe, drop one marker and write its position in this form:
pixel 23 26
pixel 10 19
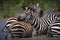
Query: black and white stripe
pixel 18 28
pixel 10 21
pixel 9 26
pixel 40 24
pixel 54 29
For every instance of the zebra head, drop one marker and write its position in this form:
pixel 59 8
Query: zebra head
pixel 26 16
pixel 31 12
pixel 36 9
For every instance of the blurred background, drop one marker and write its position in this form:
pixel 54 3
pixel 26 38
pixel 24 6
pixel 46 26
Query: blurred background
pixel 10 8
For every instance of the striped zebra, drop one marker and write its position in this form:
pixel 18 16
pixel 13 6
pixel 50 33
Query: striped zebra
pixel 36 9
pixel 40 24
pixel 54 29
pixel 9 21
pixel 18 28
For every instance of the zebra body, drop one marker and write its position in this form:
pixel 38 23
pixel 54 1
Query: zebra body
pixel 21 29
pixel 40 24
pixel 18 28
pixel 10 21
pixel 54 29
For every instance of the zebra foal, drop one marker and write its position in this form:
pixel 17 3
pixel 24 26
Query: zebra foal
pixel 18 28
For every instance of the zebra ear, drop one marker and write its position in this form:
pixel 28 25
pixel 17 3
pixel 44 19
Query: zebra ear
pixel 37 4
pixel 26 8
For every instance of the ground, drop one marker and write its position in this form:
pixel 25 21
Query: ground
pixel 42 37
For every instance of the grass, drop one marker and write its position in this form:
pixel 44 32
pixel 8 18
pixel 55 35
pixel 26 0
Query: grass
pixel 11 7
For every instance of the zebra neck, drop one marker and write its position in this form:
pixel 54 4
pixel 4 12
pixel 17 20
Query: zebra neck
pixel 36 23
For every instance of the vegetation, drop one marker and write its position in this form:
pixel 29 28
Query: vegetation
pixel 10 7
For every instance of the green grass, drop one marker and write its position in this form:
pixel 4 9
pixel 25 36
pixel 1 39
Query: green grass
pixel 11 7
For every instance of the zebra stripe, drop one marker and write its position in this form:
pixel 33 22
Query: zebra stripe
pixel 54 30
pixel 19 28
pixel 40 24
pixel 10 20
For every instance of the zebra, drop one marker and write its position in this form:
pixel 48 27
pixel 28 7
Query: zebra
pixel 9 21
pixel 36 9
pixel 54 28
pixel 18 28
pixel 21 29
pixel 39 23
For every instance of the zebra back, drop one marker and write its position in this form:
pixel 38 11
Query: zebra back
pixel 10 20
pixel 19 28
